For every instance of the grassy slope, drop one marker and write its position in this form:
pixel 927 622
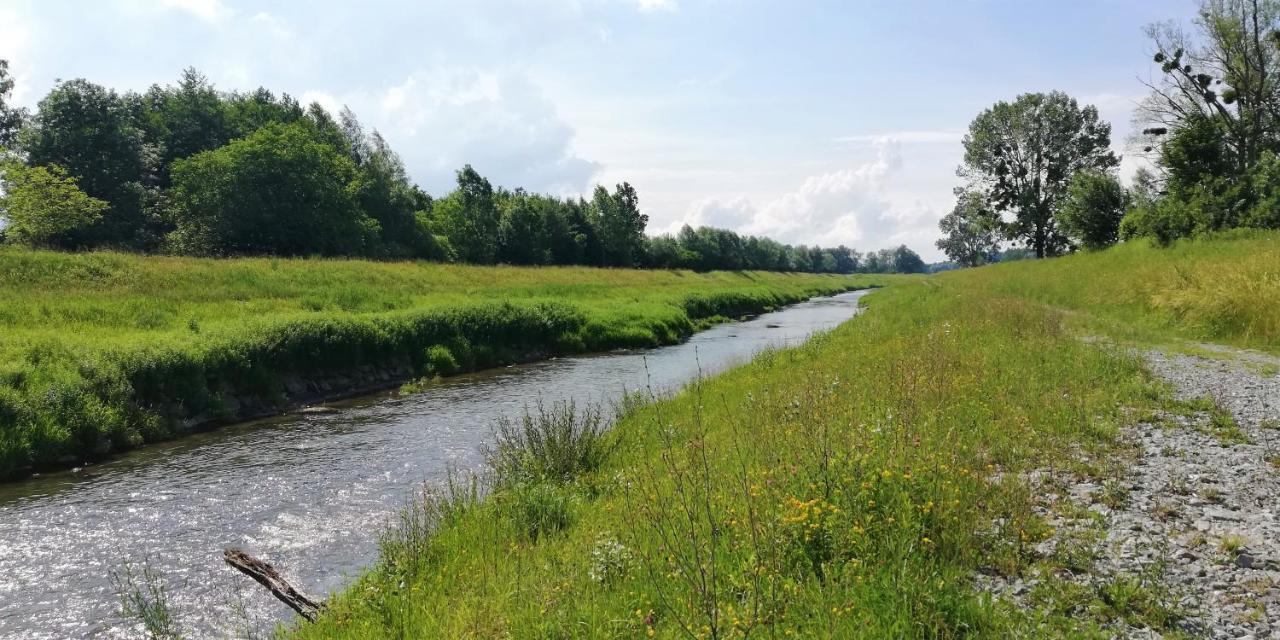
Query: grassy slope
pixel 846 488
pixel 106 351
pixel 1225 289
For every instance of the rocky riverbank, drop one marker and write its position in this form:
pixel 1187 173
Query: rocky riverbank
pixel 1188 526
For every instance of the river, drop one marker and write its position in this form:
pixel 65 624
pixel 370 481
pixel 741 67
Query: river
pixel 308 491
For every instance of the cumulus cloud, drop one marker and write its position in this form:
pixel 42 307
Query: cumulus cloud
pixel 849 206
pixel 498 121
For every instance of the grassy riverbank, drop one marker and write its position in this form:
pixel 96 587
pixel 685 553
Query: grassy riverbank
pixel 1222 289
pixel 848 488
pixel 103 352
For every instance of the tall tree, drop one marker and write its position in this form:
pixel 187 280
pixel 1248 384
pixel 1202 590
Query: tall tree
pixel 1225 76
pixel 279 191
pixel 971 232
pixel 621 225
pixel 92 132
pixel 1021 156
pixel 904 260
pixel 470 218
pixel 185 119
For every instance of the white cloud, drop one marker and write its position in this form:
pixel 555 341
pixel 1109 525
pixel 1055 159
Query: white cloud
pixel 497 121
pixel 656 5
pixel 15 38
pixel 211 11
pixel 272 24
pixel 849 206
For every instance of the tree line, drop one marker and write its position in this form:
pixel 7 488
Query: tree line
pixel 189 169
pixel 1039 169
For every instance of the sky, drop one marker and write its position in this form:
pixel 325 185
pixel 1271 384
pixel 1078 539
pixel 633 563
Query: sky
pixel 807 121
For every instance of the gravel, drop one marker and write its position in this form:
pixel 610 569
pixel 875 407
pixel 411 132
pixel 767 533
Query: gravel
pixel 1202 513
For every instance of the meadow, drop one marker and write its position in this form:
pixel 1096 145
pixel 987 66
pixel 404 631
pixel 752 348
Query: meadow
pixel 102 352
pixel 850 487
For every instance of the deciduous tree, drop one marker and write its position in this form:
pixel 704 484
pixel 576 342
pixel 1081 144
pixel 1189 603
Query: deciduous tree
pixel 1021 156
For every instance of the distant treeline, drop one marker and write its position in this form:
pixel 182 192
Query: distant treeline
pixel 187 169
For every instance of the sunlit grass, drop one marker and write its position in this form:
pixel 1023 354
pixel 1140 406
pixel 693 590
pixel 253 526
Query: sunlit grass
pixel 102 352
pixel 1220 289
pixel 841 489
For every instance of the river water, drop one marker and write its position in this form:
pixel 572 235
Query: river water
pixel 308 491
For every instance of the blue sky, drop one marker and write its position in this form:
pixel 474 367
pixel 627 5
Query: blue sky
pixel 814 122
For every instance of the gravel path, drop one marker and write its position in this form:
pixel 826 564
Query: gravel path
pixel 1196 513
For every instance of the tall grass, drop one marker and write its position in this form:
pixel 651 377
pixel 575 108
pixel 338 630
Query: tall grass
pixel 847 488
pixel 1223 288
pixel 103 352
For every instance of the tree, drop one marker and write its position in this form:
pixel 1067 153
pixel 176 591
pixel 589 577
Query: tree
pixel 971 232
pixel 470 218
pixel 386 194
pixel 1227 78
pixel 185 119
pixel 1093 208
pixel 621 225
pixel 92 132
pixel 279 191
pixel 521 234
pixel 904 260
pixel 1021 156
pixel 11 117
pixel 43 207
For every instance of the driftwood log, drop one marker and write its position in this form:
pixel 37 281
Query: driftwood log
pixel 267 576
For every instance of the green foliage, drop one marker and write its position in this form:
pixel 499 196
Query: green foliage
pixel 439 361
pixel 1094 205
pixel 91 132
pixel 1214 116
pixel 98 352
pixel 471 219
pixel 621 225
pixel 1021 156
pixel 280 190
pixel 43 207
pixel 555 444
pixel 971 232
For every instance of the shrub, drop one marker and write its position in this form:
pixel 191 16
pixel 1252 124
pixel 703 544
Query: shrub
pixel 439 361
pixel 555 444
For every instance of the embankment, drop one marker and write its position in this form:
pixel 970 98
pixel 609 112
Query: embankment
pixel 857 486
pixel 105 352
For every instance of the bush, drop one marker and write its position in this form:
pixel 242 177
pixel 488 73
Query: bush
pixel 555 444
pixel 439 361
pixel 1093 209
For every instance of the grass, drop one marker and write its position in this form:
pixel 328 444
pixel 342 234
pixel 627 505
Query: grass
pixel 103 352
pixel 838 489
pixel 850 487
pixel 1223 289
